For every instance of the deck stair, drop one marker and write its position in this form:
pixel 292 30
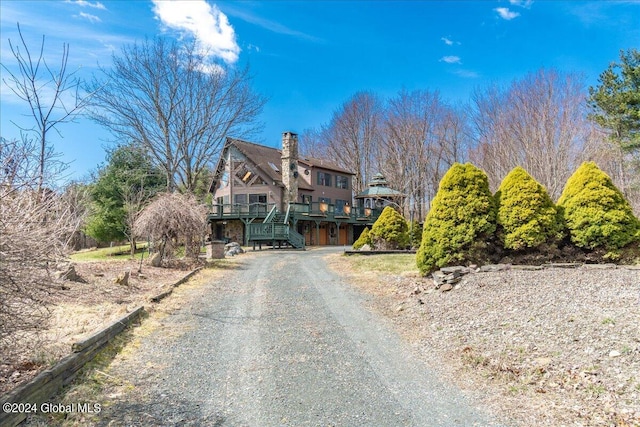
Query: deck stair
pixel 275 230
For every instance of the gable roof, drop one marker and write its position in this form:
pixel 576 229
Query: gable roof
pixel 262 156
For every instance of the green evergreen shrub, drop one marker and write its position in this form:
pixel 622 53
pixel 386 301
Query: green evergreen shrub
pixel 526 217
pixel 461 219
pixel 390 231
pixel 596 213
pixel 415 234
pixel 364 239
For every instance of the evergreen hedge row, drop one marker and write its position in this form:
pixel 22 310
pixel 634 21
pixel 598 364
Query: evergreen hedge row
pixel 465 219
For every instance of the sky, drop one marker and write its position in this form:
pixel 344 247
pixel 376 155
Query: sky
pixel 309 57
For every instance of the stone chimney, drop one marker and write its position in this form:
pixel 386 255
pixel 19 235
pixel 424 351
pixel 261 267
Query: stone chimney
pixel 289 167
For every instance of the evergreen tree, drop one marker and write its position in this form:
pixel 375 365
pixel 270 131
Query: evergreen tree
pixel 390 231
pixel 121 190
pixel 364 239
pixel 616 100
pixel 596 213
pixel 462 217
pixel 526 215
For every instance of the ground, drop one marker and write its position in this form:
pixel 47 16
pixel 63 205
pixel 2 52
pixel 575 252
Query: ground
pixel 80 309
pixel 557 347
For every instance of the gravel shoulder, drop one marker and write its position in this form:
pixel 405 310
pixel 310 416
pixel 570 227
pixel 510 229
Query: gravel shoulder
pixel 540 348
pixel 278 340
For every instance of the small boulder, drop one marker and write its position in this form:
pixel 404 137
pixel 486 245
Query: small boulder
pixel 366 247
pixel 156 259
pixel 446 287
pixel 232 249
pixel 123 279
pixel 69 273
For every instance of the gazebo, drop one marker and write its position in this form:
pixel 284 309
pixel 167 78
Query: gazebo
pixel 379 195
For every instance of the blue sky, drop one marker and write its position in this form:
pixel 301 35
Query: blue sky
pixel 308 57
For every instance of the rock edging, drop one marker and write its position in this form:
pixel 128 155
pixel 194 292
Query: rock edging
pixel 169 289
pixel 447 277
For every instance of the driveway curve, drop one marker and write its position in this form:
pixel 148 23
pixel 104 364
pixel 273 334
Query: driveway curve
pixel 282 341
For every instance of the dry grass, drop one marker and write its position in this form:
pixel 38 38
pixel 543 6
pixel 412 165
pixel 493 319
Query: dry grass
pixel 539 348
pixel 80 309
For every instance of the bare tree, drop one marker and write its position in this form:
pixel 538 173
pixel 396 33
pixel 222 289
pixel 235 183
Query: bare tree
pixel 538 122
pixel 423 137
pixel 312 144
pixel 161 96
pixel 35 228
pixel 53 95
pixel 352 136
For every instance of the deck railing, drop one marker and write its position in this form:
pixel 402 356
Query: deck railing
pixel 240 210
pixel 298 211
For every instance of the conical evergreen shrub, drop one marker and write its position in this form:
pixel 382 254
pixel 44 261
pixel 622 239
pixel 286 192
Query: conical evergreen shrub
pixel 415 234
pixel 462 217
pixel 390 231
pixel 596 213
pixel 364 239
pixel 526 217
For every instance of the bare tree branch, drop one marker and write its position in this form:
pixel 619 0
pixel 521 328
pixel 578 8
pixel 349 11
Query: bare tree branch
pixel 157 96
pixel 44 90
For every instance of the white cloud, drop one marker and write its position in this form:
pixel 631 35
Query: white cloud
pixel 448 41
pixel 215 37
pixel 451 59
pixel 91 18
pixel 505 13
pixel 467 74
pixel 522 3
pixel 85 3
pixel 233 10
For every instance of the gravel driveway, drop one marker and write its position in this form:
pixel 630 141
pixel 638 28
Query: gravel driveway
pixel 282 341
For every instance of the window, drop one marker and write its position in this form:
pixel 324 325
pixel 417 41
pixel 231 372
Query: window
pixel 274 167
pixel 240 199
pixel 224 179
pixel 340 204
pixel 244 174
pixel 258 202
pixel 342 182
pixel 306 198
pixel 324 179
pixel 258 198
pixel 324 200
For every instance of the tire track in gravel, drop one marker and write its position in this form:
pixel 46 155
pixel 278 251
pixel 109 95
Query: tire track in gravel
pixel 282 342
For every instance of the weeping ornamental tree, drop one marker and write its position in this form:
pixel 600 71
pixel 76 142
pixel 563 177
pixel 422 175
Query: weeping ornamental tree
pixel 526 217
pixel 462 217
pixel 170 220
pixel 596 213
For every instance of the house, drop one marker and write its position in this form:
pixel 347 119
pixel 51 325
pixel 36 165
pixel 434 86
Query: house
pixel 262 194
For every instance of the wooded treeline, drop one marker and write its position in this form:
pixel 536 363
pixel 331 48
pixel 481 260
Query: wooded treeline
pixel 548 122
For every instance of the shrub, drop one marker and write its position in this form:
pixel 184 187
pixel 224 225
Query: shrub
pixel 364 239
pixel 462 215
pixel 390 231
pixel 526 215
pixel 596 213
pixel 415 234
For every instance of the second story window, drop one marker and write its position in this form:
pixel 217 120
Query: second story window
pixel 324 179
pixel 342 182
